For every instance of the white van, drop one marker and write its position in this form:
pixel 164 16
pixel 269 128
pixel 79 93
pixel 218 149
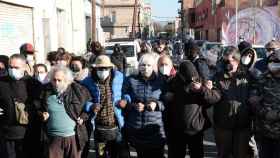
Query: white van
pixel 130 47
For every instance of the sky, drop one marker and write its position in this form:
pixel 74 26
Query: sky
pixel 164 8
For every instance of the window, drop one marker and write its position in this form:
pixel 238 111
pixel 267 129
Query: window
pixel 113 16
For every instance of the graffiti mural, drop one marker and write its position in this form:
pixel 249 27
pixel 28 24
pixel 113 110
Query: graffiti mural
pixel 257 25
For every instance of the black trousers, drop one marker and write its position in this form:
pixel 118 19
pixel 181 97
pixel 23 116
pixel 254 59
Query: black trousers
pixel 12 148
pixel 177 143
pixel 268 148
pixel 143 152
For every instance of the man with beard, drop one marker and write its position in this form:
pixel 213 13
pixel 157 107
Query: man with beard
pixel 62 106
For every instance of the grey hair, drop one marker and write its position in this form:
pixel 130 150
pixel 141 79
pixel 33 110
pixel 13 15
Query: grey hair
pixel 147 57
pixel 61 68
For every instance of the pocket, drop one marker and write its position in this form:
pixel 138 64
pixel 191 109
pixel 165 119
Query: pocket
pixel 21 113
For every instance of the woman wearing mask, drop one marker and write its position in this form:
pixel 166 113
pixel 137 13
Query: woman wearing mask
pixel 41 73
pixel 78 67
pixel 232 114
pixel 143 110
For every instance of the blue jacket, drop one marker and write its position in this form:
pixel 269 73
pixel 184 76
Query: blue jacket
pixel 117 82
pixel 144 128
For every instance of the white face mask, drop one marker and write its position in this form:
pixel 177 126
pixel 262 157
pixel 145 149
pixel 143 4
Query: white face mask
pixel 30 59
pixel 103 74
pixel 42 77
pixel 16 74
pixel 245 60
pixel 146 70
pixel 165 70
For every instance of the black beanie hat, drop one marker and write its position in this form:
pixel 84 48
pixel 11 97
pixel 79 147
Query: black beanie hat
pixel 188 72
pixel 244 45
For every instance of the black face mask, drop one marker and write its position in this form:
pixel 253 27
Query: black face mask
pixel 75 68
pixel 227 66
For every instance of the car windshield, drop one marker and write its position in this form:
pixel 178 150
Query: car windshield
pixel 261 52
pixel 127 49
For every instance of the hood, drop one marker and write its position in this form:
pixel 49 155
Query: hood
pixel 187 72
pixel 253 60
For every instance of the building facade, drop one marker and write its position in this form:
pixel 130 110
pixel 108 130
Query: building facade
pixel 117 19
pixel 229 21
pixel 45 24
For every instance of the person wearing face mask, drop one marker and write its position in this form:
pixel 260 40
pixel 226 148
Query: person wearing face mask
pixel 4 60
pixel 28 51
pixel 265 104
pixel 79 69
pixel 165 66
pixel 232 114
pixel 18 95
pixel 105 86
pixel 143 108
pixel 41 73
pixel 186 113
pixel 261 65
pixel 247 62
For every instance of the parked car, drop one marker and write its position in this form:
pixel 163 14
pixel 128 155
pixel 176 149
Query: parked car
pixel 130 47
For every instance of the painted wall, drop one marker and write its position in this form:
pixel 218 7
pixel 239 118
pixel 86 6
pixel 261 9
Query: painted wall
pixel 257 25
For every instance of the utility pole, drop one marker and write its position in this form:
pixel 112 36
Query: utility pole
pixel 236 22
pixel 182 14
pixel 93 20
pixel 133 31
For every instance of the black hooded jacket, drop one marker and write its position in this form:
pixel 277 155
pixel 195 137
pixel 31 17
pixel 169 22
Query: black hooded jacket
pixel 188 110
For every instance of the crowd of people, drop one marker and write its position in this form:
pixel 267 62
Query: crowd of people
pixel 51 110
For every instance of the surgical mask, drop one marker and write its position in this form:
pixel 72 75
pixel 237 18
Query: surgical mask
pixel 103 74
pixel 274 67
pixel 30 59
pixel 245 60
pixel 42 77
pixel 165 70
pixel 16 74
pixel 146 71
